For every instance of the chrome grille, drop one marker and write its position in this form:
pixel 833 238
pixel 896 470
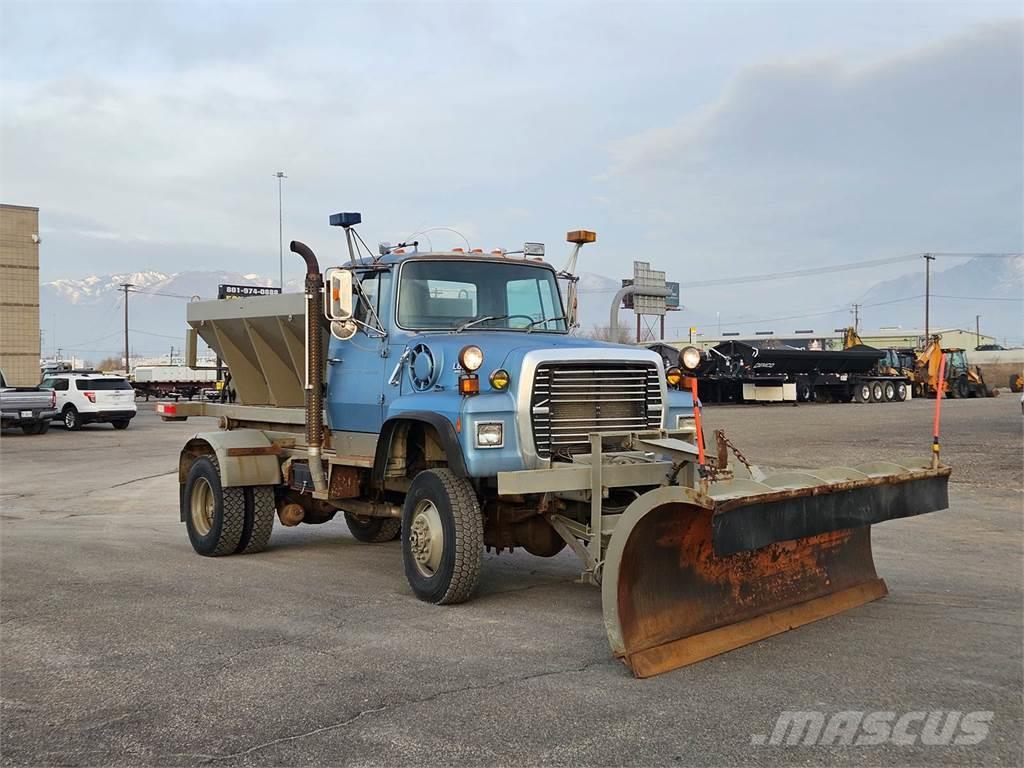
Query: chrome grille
pixel 572 400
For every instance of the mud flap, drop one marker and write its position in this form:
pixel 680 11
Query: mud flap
pixel 672 595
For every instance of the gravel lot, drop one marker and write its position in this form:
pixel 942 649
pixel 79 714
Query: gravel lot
pixel 121 646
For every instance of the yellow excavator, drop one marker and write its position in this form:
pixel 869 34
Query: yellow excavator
pixel 961 379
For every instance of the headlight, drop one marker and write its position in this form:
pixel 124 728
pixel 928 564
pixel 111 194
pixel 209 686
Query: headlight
pixel 500 379
pixel 673 376
pixel 690 357
pixel 490 434
pixel 471 357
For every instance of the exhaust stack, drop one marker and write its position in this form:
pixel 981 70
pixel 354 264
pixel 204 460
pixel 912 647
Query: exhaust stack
pixel 314 366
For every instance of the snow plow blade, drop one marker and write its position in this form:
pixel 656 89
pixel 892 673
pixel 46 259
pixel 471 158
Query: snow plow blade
pixel 689 575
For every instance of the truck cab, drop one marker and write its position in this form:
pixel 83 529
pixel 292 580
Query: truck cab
pixel 478 346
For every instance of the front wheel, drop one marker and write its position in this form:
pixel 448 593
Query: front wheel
pixel 442 537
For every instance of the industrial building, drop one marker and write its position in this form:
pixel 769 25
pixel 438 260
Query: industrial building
pixel 882 338
pixel 19 294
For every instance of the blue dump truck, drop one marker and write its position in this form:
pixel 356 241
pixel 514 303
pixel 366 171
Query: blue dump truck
pixel 443 398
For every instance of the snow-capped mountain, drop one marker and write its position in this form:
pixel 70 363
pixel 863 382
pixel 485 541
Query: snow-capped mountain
pixel 85 315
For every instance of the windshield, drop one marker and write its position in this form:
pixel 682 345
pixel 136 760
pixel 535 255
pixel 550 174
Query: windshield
pixel 490 295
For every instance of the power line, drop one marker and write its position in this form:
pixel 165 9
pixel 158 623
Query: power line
pixel 827 269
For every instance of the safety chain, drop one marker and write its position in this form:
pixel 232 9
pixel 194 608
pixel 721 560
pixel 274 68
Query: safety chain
pixel 721 437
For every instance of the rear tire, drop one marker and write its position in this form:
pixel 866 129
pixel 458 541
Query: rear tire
pixel 214 516
pixel 121 423
pixel 877 392
pixel 901 391
pixel 963 387
pixel 373 530
pixel 260 511
pixel 889 391
pixel 72 419
pixel 862 393
pixel 31 429
pixel 442 537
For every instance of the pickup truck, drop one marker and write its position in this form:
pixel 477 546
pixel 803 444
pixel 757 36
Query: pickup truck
pixel 30 408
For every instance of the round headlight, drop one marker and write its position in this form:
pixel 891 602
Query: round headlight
pixel 673 376
pixel 471 357
pixel 500 379
pixel 690 357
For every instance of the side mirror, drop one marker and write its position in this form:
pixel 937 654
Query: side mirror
pixel 338 295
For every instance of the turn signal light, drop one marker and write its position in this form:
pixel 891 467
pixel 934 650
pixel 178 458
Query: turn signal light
pixel 674 376
pixel 469 385
pixel 500 379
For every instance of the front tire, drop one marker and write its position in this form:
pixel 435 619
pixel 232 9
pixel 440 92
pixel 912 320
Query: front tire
pixel 214 516
pixel 442 537
pixel 373 530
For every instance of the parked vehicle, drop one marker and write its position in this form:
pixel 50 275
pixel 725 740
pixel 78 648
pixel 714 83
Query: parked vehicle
pixel 87 398
pixel 454 409
pixel 959 379
pixel 174 381
pixel 29 408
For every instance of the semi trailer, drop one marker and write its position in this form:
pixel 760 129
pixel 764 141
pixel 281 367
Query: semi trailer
pixel 734 372
pixel 441 398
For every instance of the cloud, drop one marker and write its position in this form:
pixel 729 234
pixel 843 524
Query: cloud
pixel 812 159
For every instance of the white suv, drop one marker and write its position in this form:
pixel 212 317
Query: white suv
pixel 84 398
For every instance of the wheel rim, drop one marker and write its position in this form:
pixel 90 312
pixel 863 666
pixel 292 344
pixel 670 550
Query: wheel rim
pixel 202 506
pixel 69 419
pixel 426 538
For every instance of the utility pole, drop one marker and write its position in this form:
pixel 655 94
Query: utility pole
pixel 977 329
pixel 127 367
pixel 280 228
pixel 928 259
pixel 856 318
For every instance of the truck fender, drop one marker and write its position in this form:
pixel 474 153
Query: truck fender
pixel 245 456
pixel 445 432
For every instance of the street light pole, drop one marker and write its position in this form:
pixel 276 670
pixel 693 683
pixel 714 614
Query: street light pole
pixel 280 229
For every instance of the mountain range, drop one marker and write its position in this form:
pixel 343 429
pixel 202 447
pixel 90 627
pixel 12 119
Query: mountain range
pixel 85 316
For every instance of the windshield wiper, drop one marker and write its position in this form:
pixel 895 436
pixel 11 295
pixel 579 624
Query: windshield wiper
pixel 543 320
pixel 477 321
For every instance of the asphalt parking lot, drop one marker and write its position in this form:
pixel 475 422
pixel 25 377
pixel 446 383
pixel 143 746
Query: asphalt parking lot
pixel 121 646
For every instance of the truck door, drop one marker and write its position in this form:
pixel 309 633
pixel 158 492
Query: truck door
pixel 355 368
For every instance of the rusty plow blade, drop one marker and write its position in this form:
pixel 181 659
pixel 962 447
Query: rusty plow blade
pixel 689 575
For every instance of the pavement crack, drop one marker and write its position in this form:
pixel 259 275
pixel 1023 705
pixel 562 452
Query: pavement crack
pixel 147 477
pixel 384 707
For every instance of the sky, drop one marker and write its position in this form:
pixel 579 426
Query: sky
pixel 710 139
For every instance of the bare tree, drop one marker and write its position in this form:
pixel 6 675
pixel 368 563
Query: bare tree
pixel 604 333
pixel 111 364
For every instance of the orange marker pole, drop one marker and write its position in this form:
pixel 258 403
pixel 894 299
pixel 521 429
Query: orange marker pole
pixel 939 386
pixel 696 422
